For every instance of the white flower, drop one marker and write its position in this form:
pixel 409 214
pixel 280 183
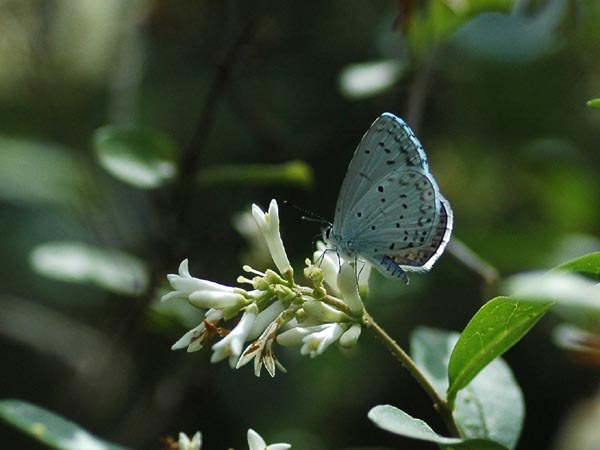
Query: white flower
pixel 231 345
pixel 261 351
pixel 350 337
pixel 346 281
pixel 322 337
pixel 295 335
pixel 268 223
pixel 330 262
pixel 264 319
pixel 195 339
pixel 201 293
pixel 186 444
pixel 256 442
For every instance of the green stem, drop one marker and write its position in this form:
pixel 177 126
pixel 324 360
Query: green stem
pixel 440 405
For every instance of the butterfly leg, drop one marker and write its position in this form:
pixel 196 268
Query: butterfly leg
pixel 388 267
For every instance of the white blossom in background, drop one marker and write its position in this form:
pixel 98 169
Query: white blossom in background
pixel 256 442
pixel 186 444
pixel 247 325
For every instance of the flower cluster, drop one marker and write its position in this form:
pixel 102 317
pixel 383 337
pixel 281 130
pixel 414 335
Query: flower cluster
pixel 275 310
pixel 255 442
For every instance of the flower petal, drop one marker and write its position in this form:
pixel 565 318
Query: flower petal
pixel 255 441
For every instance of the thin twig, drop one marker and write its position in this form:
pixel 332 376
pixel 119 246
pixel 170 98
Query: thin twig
pixel 472 260
pixel 417 94
pixel 188 164
pixel 440 405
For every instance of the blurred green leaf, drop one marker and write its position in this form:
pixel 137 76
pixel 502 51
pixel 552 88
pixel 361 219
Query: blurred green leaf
pixel 294 173
pixel 141 157
pixel 431 349
pixel 512 37
pixel 495 328
pixel 49 428
pixel 594 103
pixel 37 173
pixel 432 24
pixel 398 422
pixel 76 262
pixel 479 411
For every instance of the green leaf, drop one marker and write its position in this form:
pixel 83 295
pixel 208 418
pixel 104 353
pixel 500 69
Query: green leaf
pixel 495 328
pixel 293 173
pixel 398 422
pixel 514 37
pixel 480 412
pixel 594 103
pixel 430 25
pixel 431 349
pixel 572 285
pixel 49 428
pixel 140 157
pixel 588 265
pixel 38 173
pixel 76 262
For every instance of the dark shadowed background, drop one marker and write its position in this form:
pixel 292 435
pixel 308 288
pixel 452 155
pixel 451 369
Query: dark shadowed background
pixel 260 100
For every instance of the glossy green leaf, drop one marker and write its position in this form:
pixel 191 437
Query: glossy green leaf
pixel 480 412
pixel 38 173
pixel 293 173
pixel 49 428
pixel 398 422
pixel 140 157
pixel 495 328
pixel 594 103
pixel 588 265
pixel 76 262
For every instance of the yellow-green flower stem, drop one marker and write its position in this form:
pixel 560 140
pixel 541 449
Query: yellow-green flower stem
pixel 440 404
pixel 294 295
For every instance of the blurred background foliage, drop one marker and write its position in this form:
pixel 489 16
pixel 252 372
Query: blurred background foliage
pixel 135 133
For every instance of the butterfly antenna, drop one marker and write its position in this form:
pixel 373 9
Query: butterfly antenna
pixel 308 215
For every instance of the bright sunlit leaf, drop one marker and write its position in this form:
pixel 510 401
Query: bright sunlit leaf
pixel 141 157
pixel 398 422
pixel 49 428
pixel 76 262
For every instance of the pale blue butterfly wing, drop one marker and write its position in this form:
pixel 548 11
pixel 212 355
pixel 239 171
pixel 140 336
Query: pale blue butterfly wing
pixel 390 211
pixel 388 144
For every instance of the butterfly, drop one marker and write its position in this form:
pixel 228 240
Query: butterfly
pixel 390 211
